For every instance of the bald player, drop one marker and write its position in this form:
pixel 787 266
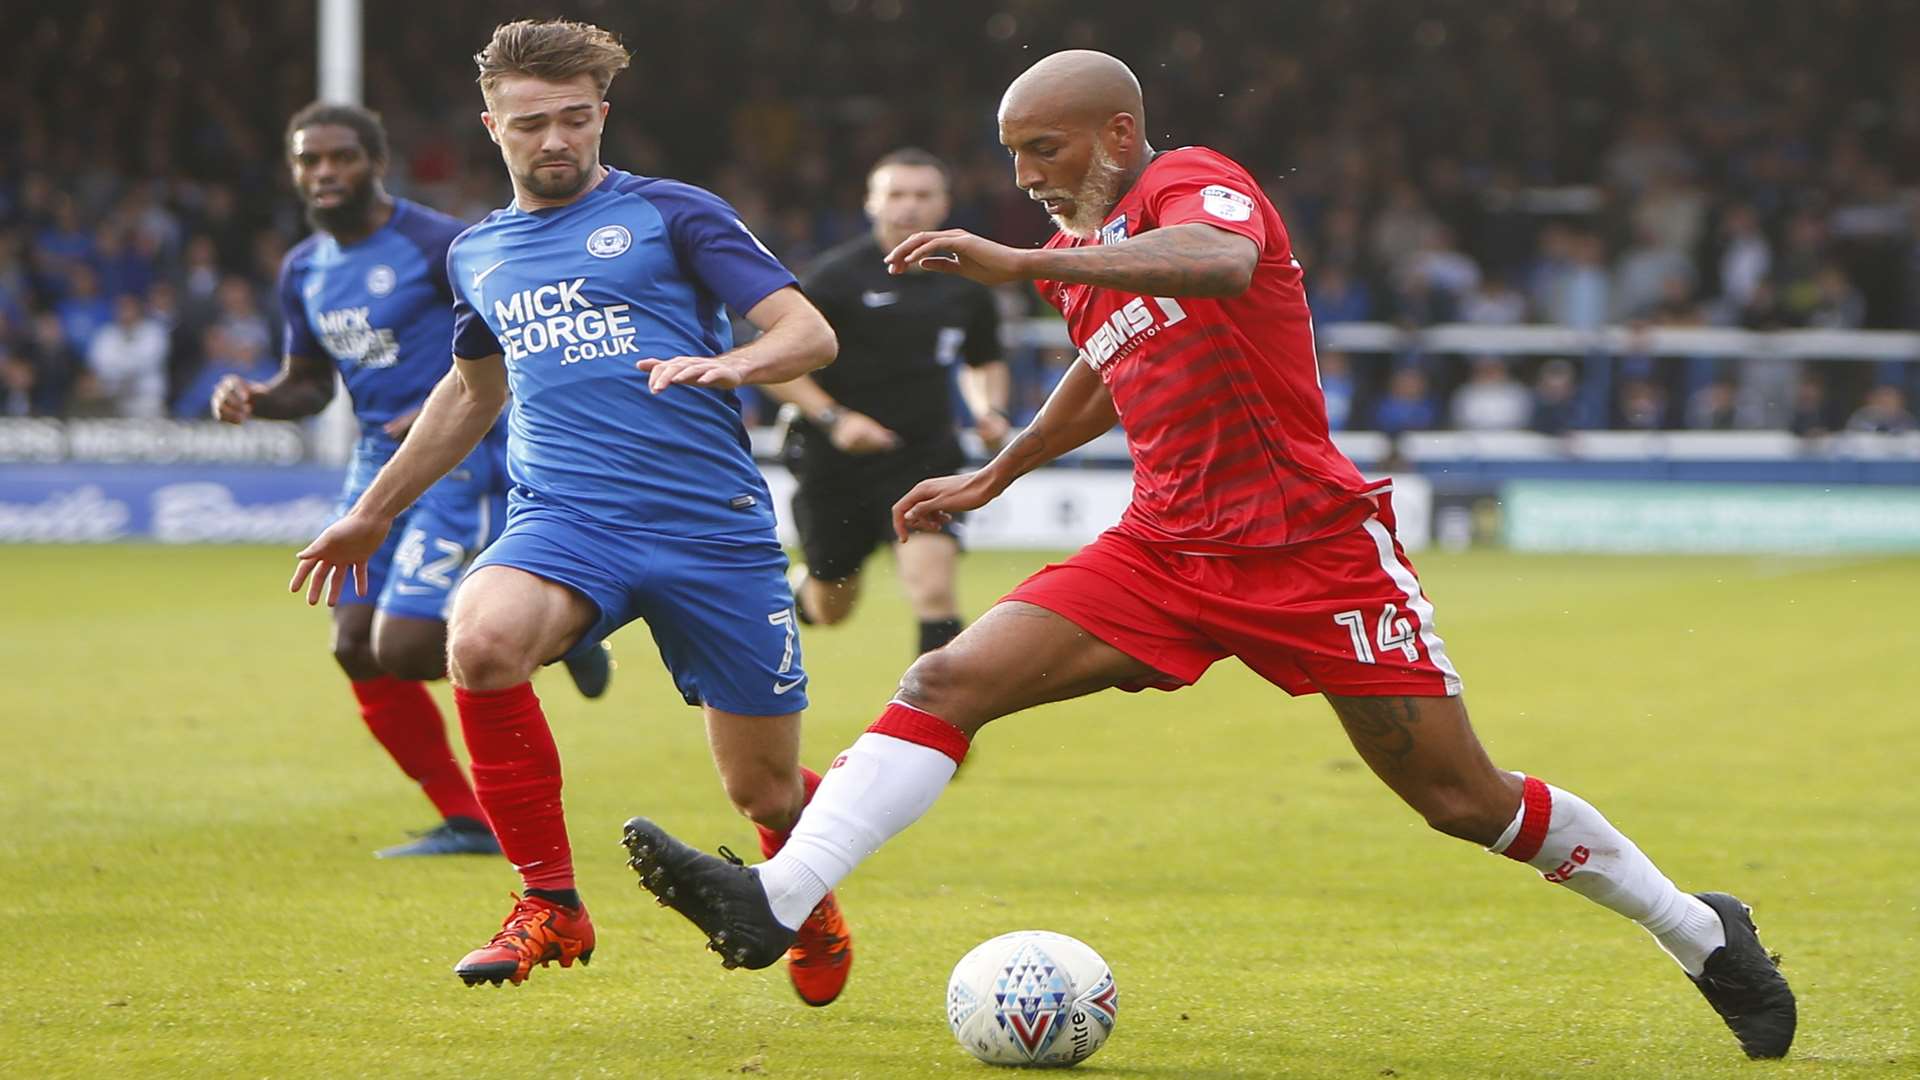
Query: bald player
pixel 1249 535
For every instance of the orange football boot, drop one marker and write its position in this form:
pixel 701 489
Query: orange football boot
pixel 822 954
pixel 536 932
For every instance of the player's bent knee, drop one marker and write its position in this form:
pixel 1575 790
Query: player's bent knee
pixel 421 661
pixel 480 658
pixel 354 654
pixel 947 683
pixel 766 802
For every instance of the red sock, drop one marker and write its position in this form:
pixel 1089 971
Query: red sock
pixel 402 715
pixel 909 723
pixel 516 773
pixel 1536 812
pixel 771 841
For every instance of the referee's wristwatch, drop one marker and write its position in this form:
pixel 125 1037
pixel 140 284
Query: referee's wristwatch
pixel 825 418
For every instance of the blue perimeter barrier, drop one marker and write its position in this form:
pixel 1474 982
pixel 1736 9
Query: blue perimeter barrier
pixel 190 504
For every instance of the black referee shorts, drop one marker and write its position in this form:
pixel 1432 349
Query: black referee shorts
pixel 843 508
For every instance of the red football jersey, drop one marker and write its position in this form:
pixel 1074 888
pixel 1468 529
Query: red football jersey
pixel 1220 398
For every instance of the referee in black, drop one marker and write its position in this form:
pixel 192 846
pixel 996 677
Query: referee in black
pixel 883 418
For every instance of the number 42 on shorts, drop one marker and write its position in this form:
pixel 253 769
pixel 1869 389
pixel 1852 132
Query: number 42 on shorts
pixel 1392 630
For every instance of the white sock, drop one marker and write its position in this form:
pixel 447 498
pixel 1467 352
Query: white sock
pixel 876 789
pixel 1562 836
pixel 792 889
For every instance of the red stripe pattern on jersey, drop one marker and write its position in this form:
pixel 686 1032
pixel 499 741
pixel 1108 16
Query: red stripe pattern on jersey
pixel 1219 398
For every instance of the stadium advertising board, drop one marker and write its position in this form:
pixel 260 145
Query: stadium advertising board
pixel 208 504
pixel 150 442
pixel 72 504
pixel 1722 518
pixel 1066 508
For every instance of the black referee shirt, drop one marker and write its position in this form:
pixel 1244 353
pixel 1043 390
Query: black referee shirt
pixel 900 338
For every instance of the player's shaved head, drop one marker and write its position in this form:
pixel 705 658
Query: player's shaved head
pixel 1074 88
pixel 1073 124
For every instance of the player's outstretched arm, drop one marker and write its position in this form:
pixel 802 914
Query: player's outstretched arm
pixel 794 339
pixel 1078 411
pixel 457 415
pixel 303 388
pixel 1191 259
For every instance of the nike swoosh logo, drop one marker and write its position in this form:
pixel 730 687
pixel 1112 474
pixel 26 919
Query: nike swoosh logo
pixel 782 687
pixel 879 299
pixel 481 275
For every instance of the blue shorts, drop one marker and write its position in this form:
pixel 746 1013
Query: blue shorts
pixel 719 607
pixel 431 545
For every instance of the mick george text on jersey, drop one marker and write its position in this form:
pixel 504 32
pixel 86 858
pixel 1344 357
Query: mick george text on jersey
pixel 350 332
pixel 538 319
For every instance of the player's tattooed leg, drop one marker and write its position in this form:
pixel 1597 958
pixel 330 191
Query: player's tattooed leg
pixel 1425 750
pixel 1378 725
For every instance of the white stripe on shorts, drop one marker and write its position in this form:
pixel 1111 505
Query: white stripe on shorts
pixel 1417 603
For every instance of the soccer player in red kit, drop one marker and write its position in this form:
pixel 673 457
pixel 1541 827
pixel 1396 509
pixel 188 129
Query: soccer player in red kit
pixel 1249 535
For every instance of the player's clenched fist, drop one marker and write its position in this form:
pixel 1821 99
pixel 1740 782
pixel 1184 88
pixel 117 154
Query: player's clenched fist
pixel 343 549
pixel 233 399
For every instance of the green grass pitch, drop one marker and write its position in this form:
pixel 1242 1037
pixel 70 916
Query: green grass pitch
pixel 188 803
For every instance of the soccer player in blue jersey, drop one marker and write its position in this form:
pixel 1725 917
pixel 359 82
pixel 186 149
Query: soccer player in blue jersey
pixel 596 301
pixel 367 295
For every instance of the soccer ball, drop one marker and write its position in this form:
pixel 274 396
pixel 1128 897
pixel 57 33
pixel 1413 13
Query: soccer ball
pixel 1032 998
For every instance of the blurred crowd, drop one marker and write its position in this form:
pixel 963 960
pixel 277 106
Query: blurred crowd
pixel 1738 163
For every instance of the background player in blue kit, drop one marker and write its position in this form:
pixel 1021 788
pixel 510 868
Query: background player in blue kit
pixel 597 300
pixel 367 294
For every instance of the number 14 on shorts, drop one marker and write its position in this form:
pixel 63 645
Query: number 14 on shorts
pixel 1391 630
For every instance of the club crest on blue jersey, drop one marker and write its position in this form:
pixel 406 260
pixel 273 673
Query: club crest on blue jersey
pixel 1114 231
pixel 609 240
pixel 381 279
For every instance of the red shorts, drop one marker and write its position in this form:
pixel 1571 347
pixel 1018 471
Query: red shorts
pixel 1343 615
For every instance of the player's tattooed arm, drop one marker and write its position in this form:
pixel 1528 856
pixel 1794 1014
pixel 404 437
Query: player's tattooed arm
pixel 1079 410
pixel 1194 259
pixel 1028 451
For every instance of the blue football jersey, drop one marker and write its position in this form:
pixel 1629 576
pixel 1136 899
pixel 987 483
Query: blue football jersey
pixel 571 297
pixel 381 309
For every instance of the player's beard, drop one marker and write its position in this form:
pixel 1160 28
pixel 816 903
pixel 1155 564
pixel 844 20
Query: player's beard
pixel 349 215
pixel 556 183
pixel 1093 199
